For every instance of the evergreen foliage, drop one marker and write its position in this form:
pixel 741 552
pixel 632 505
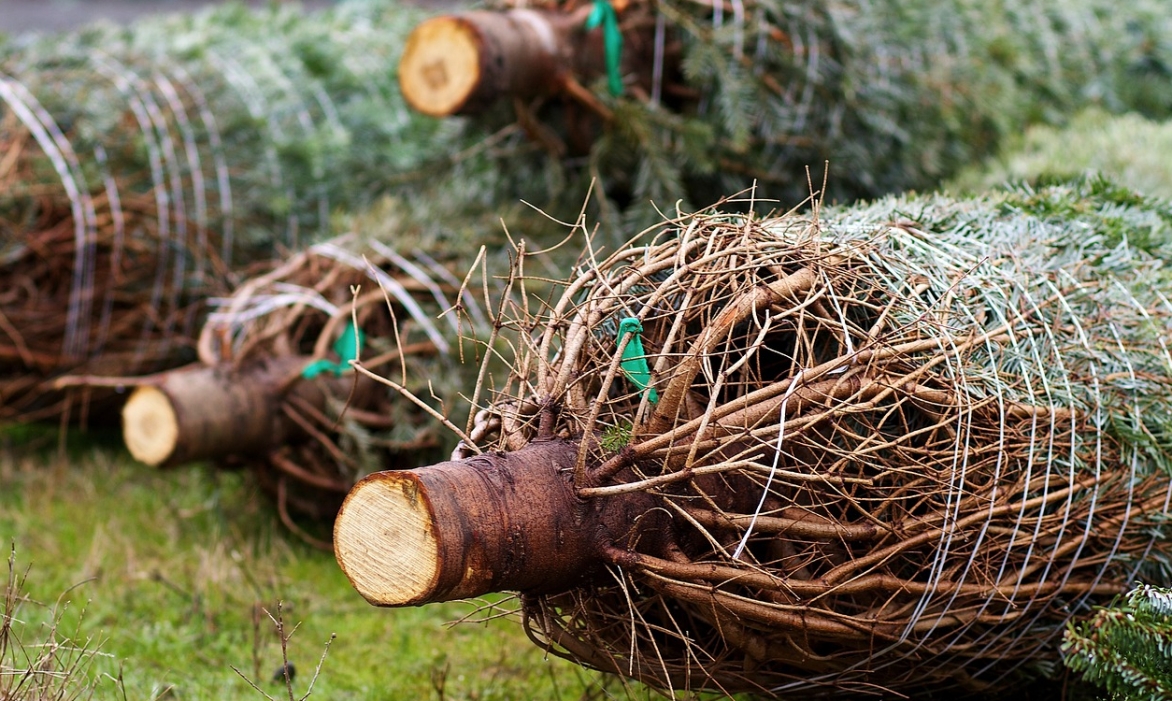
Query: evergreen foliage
pixel 282 116
pixel 1129 148
pixel 1126 647
pixel 895 94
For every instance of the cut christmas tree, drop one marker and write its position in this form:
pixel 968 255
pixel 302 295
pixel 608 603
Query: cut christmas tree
pixel 274 390
pixel 891 447
pixel 698 99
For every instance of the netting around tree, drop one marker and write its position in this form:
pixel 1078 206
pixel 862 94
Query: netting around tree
pixel 895 446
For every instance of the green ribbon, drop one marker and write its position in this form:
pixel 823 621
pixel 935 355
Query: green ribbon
pixel 604 15
pixel 634 362
pixel 347 347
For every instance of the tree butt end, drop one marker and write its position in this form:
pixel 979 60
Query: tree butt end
pixel 385 540
pixel 439 71
pixel 150 426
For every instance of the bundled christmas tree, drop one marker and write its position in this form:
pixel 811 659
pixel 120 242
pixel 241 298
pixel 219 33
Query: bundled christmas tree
pixel 696 99
pixel 895 446
pixel 145 169
pixel 274 391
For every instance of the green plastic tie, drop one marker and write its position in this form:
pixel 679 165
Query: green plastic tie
pixel 347 347
pixel 634 362
pixel 604 15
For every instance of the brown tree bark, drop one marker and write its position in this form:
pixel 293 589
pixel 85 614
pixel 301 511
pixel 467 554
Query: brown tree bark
pixel 462 63
pixel 201 412
pixel 494 522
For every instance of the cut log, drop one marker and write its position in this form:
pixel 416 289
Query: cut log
pixel 461 63
pixel 201 412
pixel 494 522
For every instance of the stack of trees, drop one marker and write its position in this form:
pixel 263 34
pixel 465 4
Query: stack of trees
pixel 146 169
pixel 896 445
pixel 144 165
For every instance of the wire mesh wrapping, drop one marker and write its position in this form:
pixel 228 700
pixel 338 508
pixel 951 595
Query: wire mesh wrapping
pixel 895 94
pixel 896 446
pixel 143 169
pixel 394 302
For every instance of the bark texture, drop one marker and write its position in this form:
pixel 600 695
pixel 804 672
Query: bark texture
pixel 494 522
pixel 201 413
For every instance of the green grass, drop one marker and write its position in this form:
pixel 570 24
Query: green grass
pixel 169 574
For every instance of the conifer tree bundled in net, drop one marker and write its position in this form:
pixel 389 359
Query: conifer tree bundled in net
pixel 895 446
pixel 895 94
pixel 274 390
pixel 143 169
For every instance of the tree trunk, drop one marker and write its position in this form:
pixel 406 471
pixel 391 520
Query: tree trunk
pixel 494 522
pixel 201 413
pixel 462 63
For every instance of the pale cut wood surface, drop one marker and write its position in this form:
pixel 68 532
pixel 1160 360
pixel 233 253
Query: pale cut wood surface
pixel 150 428
pixel 440 68
pixel 385 541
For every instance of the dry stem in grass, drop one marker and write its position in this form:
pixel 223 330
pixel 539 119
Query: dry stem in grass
pixel 52 666
pixel 286 672
pixel 883 453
